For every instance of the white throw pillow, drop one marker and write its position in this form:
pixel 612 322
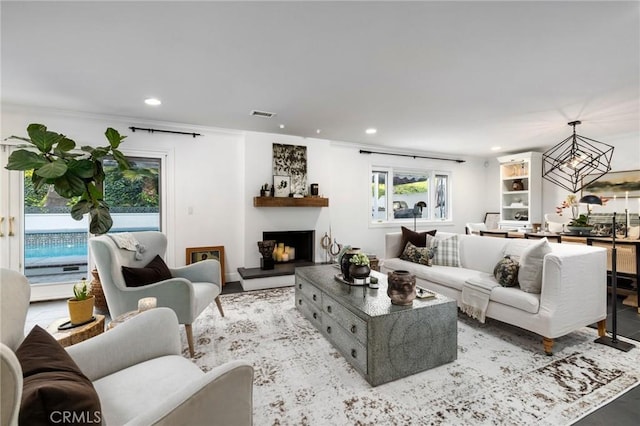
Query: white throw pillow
pixel 530 272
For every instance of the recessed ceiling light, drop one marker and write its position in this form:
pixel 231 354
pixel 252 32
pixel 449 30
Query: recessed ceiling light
pixel 318 131
pixel 496 148
pixel 282 126
pixel 371 131
pixel 152 101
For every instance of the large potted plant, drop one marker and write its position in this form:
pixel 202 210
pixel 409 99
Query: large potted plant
pixel 76 176
pixel 81 304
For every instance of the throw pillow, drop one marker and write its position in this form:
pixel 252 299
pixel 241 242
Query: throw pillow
pixel 154 272
pixel 418 239
pixel 530 273
pixel 421 255
pixel 53 384
pixel 446 251
pixel 506 272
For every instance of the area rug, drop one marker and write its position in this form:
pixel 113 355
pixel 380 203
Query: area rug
pixel 501 376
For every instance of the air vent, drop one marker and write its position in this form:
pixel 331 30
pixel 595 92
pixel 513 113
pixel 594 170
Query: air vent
pixel 263 114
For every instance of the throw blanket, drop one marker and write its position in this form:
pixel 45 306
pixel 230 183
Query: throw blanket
pixel 126 241
pixel 475 297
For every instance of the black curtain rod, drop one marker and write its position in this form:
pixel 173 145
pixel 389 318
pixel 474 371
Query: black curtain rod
pixel 363 151
pixel 133 129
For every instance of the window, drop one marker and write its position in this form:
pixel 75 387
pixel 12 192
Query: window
pixel 401 195
pixel 55 246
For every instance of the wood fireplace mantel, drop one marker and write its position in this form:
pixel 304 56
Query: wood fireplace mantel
pixel 290 202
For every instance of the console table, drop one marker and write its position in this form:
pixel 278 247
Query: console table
pixel 627 259
pixel 382 341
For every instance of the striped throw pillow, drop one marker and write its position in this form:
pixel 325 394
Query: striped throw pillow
pixel 446 252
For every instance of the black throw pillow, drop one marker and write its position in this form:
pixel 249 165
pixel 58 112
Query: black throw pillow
pixel 154 272
pixel 418 239
pixel 53 385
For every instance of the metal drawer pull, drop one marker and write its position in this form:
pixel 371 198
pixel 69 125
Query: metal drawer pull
pixel 315 316
pixel 329 308
pixel 314 298
pixel 300 286
pixel 299 301
pixel 353 328
pixel 329 330
pixel 354 354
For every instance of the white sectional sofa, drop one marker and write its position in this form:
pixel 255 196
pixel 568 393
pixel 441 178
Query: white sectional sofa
pixel 574 278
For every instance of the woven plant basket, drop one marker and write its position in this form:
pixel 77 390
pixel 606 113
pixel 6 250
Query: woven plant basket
pixel 96 290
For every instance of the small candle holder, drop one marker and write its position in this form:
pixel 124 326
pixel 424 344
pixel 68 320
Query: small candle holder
pixel 147 303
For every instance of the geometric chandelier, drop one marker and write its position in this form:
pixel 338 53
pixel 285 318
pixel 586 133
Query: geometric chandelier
pixel 576 161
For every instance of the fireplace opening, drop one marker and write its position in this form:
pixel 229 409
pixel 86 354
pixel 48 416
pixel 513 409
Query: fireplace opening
pixel 300 241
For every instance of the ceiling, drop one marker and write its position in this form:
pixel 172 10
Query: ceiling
pixel 448 77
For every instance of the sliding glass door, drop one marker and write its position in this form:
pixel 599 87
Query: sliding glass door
pixel 40 238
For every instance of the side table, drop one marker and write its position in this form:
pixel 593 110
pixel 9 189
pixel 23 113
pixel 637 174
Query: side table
pixel 76 334
pixel 122 318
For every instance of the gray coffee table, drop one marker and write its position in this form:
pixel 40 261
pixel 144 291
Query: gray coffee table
pixel 384 342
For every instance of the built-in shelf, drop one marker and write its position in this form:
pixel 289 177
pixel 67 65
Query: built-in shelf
pixel 520 190
pixel 290 202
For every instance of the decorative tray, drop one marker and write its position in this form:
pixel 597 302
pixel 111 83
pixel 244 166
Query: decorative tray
pixel 422 293
pixel 67 325
pixel 340 279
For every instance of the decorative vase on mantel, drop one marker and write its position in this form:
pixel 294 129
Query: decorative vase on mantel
pixel 401 287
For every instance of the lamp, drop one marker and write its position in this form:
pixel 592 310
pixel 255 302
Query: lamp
pixel 613 340
pixel 417 211
pixel 570 162
pixel 590 200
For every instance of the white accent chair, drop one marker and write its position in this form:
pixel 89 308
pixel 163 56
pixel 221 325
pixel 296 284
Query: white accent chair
pixel 137 370
pixel 556 222
pixel 188 293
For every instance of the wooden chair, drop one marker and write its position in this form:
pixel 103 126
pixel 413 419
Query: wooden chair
pixel 557 238
pixel 496 234
pixel 474 228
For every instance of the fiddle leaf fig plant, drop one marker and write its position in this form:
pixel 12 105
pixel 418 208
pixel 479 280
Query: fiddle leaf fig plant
pixel 73 174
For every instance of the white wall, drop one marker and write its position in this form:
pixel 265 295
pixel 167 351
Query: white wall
pixel 213 180
pixel 350 170
pixel 204 175
pixel 259 170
